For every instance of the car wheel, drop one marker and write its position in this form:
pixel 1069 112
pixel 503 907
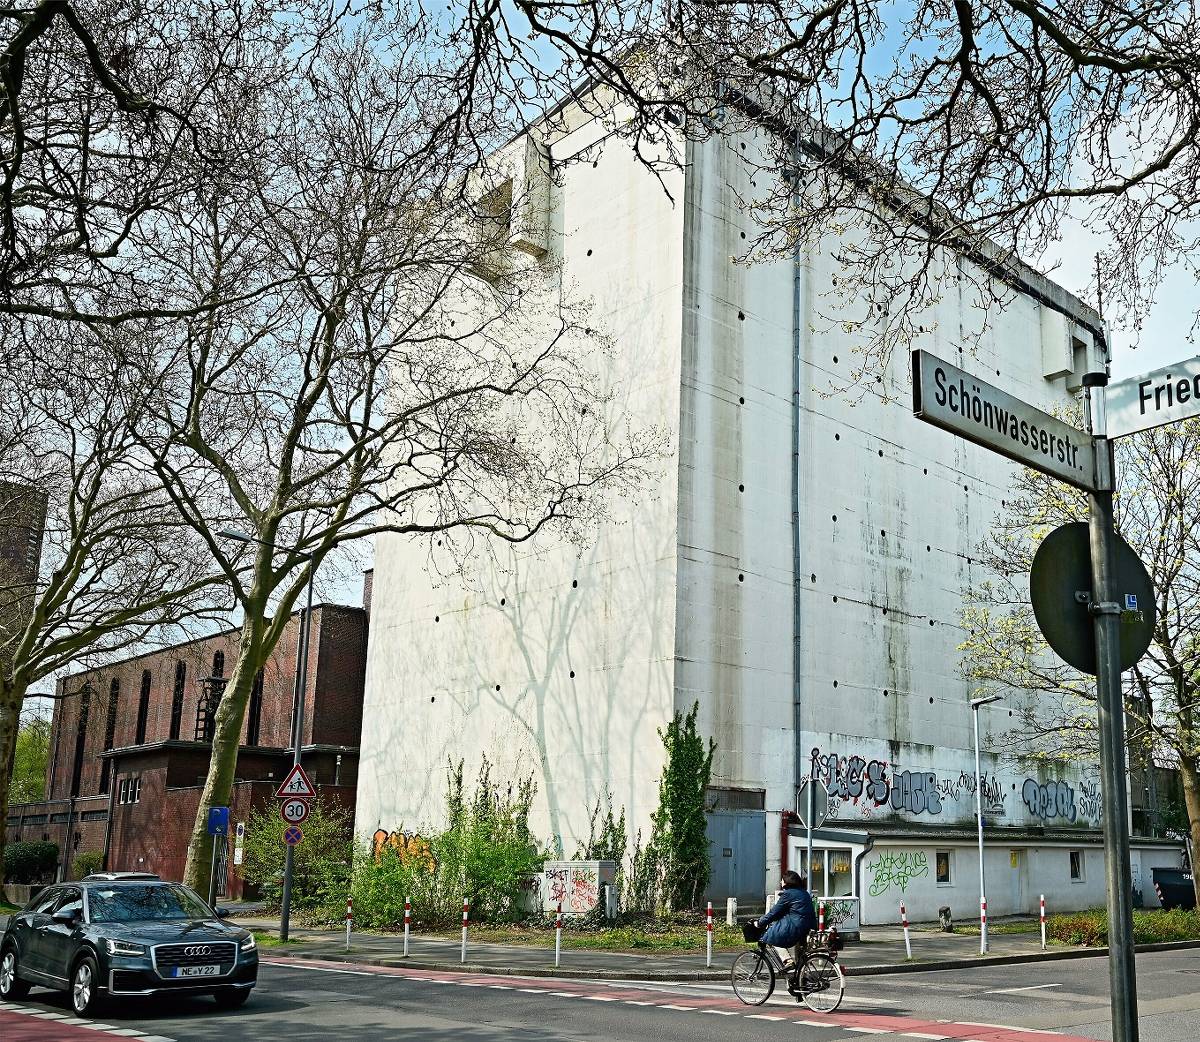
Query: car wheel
pixel 11 986
pixel 231 998
pixel 85 986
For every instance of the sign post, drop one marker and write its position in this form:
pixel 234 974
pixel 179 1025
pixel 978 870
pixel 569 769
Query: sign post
pixel 952 399
pixel 295 790
pixel 218 828
pixel 812 807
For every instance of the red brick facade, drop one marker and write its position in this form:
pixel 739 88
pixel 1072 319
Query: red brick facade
pixel 128 783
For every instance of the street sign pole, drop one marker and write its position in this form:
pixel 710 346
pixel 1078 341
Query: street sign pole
pixel 297 737
pixel 812 814
pixel 1106 614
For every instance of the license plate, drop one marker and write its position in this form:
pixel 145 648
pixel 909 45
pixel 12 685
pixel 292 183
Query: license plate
pixel 197 971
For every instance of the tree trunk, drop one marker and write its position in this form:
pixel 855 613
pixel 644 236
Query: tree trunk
pixel 1189 773
pixel 222 765
pixel 12 697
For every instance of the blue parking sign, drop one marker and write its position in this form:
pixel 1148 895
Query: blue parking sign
pixel 218 821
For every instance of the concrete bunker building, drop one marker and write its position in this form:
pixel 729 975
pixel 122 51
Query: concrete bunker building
pixel 797 566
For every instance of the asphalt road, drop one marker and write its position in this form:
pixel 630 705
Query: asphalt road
pixel 300 1002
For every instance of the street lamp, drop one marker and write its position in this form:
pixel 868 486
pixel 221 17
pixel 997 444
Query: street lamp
pixel 301 686
pixel 976 703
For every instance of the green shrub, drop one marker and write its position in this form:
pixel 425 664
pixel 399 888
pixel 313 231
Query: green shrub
pixel 1151 926
pixel 486 855
pixel 321 864
pixel 86 863
pixel 30 861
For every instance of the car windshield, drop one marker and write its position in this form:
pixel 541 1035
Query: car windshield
pixel 128 903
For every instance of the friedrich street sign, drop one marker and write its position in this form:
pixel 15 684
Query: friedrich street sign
pixel 948 397
pixel 1163 396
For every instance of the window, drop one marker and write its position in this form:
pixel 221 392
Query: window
pixel 143 708
pixel 177 699
pixel 110 723
pixel 85 705
pixel 254 717
pixel 129 790
pixel 1076 859
pixel 944 863
pixel 45 901
pixel 218 669
pixel 72 901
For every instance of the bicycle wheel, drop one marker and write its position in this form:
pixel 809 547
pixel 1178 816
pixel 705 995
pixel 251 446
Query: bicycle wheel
pixel 821 983
pixel 753 978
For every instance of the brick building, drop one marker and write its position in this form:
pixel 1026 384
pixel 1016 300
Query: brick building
pixel 130 742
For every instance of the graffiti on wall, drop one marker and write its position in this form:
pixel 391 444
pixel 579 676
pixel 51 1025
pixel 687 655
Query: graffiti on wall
pixel 1090 804
pixel 896 868
pixel 1057 799
pixel 838 912
pixel 856 783
pixel 412 848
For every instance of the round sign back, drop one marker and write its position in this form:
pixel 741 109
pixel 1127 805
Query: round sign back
pixel 1062 567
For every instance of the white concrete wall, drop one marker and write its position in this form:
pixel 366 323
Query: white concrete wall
pixel 569 676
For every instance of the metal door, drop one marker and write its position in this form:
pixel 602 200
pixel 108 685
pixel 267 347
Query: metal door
pixel 737 854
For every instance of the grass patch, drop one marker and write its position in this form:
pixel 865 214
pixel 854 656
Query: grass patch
pixel 7 909
pixel 1155 926
pixel 271 940
pixel 670 938
pixel 970 929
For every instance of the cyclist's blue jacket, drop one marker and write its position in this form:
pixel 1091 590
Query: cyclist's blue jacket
pixel 790 919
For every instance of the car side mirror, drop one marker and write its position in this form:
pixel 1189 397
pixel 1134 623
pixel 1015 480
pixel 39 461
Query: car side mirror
pixel 65 915
pixel 223 913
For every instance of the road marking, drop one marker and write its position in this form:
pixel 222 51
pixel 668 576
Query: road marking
pixel 762 1016
pixel 536 991
pixel 921 1034
pixel 601 998
pixel 1028 987
pixel 721 1012
pixel 501 987
pixel 566 994
pixel 686 1009
pixel 869 1031
pixel 635 1002
pixel 330 969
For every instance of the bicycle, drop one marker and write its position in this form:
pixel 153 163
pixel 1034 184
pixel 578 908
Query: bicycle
pixel 818 981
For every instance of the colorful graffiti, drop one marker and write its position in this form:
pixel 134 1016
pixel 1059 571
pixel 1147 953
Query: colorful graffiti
pixel 585 889
pixel 408 848
pixel 838 912
pixel 896 868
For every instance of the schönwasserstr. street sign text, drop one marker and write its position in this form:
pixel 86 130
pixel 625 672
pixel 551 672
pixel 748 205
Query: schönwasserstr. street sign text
pixel 948 397
pixel 1163 396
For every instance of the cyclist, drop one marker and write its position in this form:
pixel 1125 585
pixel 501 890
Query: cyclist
pixel 790 919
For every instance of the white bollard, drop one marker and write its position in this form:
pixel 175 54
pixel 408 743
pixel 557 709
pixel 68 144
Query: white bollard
pixel 407 923
pixel 708 926
pixel 349 917
pixel 731 911
pixel 904 923
pixel 466 904
pixel 983 937
pixel 821 919
pixel 558 934
pixel 1042 906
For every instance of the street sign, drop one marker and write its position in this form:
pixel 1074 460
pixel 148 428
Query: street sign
pixel 294 811
pixel 218 821
pixel 296 786
pixel 1060 584
pixel 812 803
pixel 292 835
pixel 950 398
pixel 1163 396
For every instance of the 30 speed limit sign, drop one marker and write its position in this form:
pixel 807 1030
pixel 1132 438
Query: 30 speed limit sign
pixel 294 811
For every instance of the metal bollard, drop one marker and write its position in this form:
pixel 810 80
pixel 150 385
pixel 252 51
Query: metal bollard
pixel 708 926
pixel 820 918
pixel 349 918
pixel 466 905
pixel 1042 907
pixel 407 923
pixel 558 935
pixel 904 923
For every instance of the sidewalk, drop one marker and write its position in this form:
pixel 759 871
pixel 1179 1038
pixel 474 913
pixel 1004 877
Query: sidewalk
pixel 880 951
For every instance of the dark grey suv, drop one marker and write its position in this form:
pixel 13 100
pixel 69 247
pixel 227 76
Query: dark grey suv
pixel 109 935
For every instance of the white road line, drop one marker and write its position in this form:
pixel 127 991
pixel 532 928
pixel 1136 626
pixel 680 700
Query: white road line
pixel 818 1024
pixel 762 1016
pixel 501 987
pixel 601 998
pixel 536 991
pixel 686 1009
pixel 870 1031
pixel 635 1002
pixel 921 1034
pixel 352 973
pixel 1028 987
pixel 566 994
pixel 721 1012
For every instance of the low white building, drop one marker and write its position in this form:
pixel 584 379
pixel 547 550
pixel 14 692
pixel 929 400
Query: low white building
pixel 797 567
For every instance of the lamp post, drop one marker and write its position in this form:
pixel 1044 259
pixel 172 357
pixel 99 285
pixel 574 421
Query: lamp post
pixel 976 703
pixel 301 686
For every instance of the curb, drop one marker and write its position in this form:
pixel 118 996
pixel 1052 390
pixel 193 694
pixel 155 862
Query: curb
pixel 881 969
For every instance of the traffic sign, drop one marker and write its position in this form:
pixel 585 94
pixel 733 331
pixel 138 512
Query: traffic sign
pixel 296 786
pixel 292 835
pixel 812 803
pixel 950 398
pixel 218 821
pixel 294 811
pixel 1162 396
pixel 1060 585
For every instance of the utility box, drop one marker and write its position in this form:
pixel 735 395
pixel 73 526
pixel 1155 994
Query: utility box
pixel 577 885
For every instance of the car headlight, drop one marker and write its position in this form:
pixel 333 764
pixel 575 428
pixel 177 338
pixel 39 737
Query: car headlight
pixel 124 948
pixel 249 944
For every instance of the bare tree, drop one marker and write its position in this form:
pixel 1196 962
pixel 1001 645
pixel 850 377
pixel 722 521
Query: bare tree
pixel 96 559
pixel 1157 513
